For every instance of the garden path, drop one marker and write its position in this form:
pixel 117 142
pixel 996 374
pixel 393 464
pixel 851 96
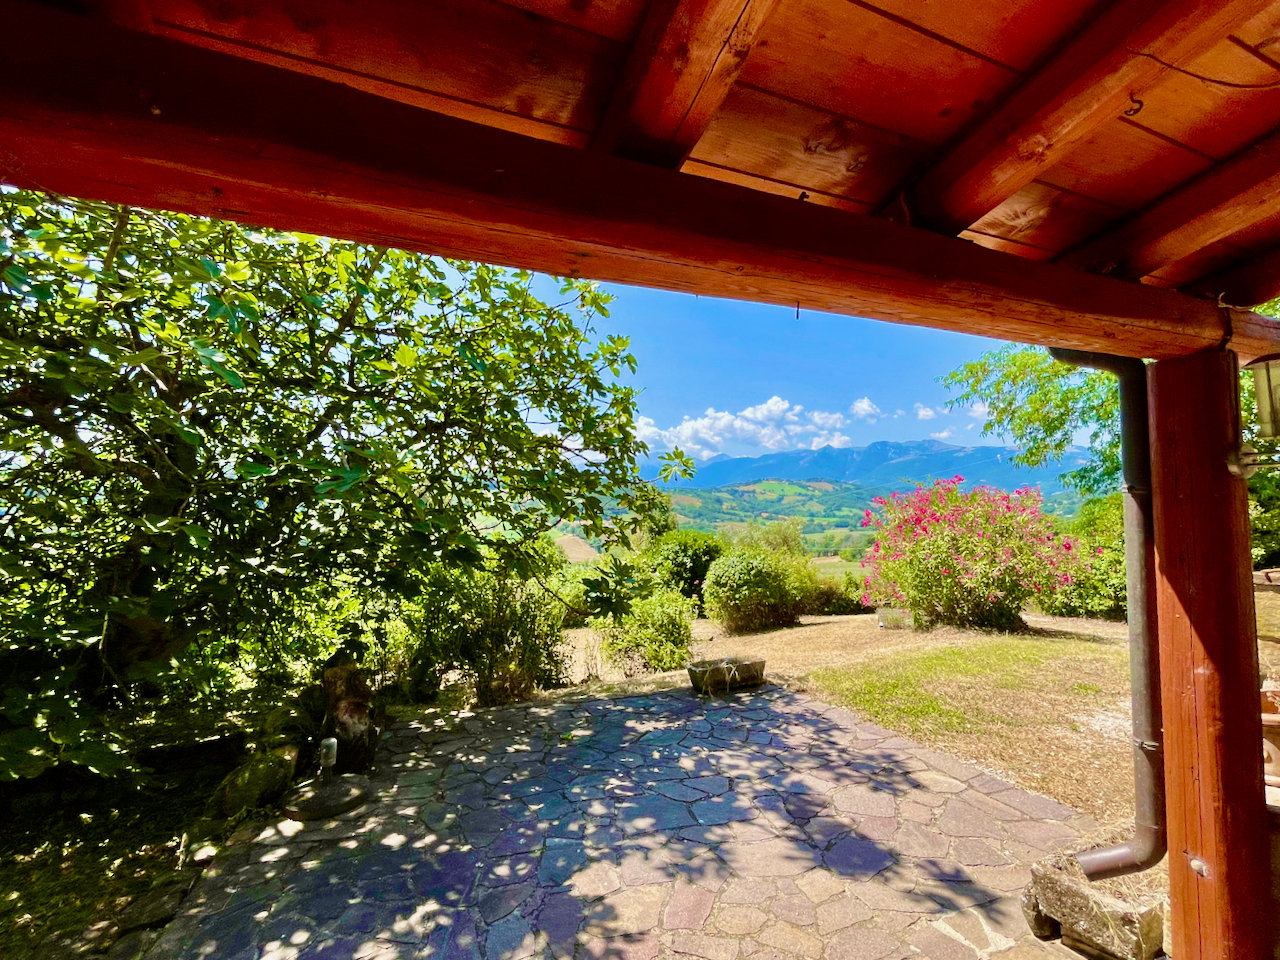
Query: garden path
pixel 764 826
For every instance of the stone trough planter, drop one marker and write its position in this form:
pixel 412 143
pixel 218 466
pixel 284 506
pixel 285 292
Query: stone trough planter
pixel 1271 737
pixel 728 673
pixel 1061 902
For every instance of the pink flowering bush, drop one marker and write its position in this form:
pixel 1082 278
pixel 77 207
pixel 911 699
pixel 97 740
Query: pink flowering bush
pixel 965 558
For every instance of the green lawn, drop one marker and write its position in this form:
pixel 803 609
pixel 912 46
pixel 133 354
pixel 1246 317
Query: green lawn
pixel 835 569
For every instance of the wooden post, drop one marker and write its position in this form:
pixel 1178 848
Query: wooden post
pixel 1219 860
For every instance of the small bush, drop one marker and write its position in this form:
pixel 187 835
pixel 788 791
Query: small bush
pixel 753 589
pixel 780 536
pixel 570 587
pixel 680 560
pixel 832 598
pixel 503 632
pixel 653 636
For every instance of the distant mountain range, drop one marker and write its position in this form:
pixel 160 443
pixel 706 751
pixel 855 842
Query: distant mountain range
pixel 885 465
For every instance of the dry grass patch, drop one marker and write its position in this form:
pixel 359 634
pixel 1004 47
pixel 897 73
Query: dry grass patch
pixel 1026 706
pixel 576 549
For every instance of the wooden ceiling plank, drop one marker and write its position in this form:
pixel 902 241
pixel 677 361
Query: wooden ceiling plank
pixel 1014 32
pixel 1046 216
pixel 1222 202
pixel 127 118
pixel 848 60
pixel 1090 81
pixel 479 59
pixel 764 135
pixel 1249 283
pixel 680 70
pixel 1216 119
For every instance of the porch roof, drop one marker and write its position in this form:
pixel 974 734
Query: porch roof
pixel 1055 171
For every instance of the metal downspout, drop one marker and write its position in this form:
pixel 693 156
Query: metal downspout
pixel 1147 848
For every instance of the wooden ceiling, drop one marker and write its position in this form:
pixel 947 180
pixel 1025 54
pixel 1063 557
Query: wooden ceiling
pixel 1133 139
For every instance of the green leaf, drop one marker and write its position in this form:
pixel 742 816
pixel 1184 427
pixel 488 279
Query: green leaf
pixel 216 361
pixel 471 358
pixel 406 356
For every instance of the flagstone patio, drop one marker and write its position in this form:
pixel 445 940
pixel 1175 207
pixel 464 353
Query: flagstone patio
pixel 768 826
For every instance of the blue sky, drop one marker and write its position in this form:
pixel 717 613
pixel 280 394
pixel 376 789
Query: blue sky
pixel 743 379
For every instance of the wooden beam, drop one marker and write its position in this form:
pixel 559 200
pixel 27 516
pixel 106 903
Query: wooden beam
pixel 481 60
pixel 1224 201
pixel 1219 858
pixel 680 69
pixel 1119 55
pixel 1248 284
pixel 129 118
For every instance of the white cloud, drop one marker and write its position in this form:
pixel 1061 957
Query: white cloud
pixel 864 409
pixel 942 434
pixel 899 413
pixel 771 411
pixel 775 424
pixel 925 413
pixel 979 410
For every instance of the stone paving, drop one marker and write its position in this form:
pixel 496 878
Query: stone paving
pixel 767 826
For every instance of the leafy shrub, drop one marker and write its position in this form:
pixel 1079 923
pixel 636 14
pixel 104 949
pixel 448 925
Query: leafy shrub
pixel 653 636
pixel 1098 588
pixel 501 631
pixel 570 586
pixel 833 598
pixel 752 589
pixel 780 536
pixel 970 559
pixel 680 560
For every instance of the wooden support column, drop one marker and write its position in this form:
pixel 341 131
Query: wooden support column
pixel 1219 865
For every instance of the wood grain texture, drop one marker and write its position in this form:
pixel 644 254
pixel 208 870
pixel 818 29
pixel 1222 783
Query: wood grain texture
pixel 1216 119
pixel 679 71
pixel 1089 82
pixel 768 136
pixel 1017 33
pixel 616 19
pixel 1125 165
pixel 1047 217
pixel 1246 282
pixel 124 117
pixel 847 59
pixel 1222 203
pixel 477 59
pixel 1219 867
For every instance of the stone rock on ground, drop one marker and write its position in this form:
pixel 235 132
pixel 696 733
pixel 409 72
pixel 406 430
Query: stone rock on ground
pixel 257 782
pixel 726 674
pixel 1060 897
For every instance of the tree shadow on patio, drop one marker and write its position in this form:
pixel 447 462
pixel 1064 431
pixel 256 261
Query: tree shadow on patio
pixel 626 828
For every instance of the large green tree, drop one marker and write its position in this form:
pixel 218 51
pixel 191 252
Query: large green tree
pixel 201 422
pixel 1043 405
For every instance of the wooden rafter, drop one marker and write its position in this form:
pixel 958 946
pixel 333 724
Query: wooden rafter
pixel 1250 283
pixel 681 68
pixel 1224 201
pixel 125 117
pixel 1093 79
